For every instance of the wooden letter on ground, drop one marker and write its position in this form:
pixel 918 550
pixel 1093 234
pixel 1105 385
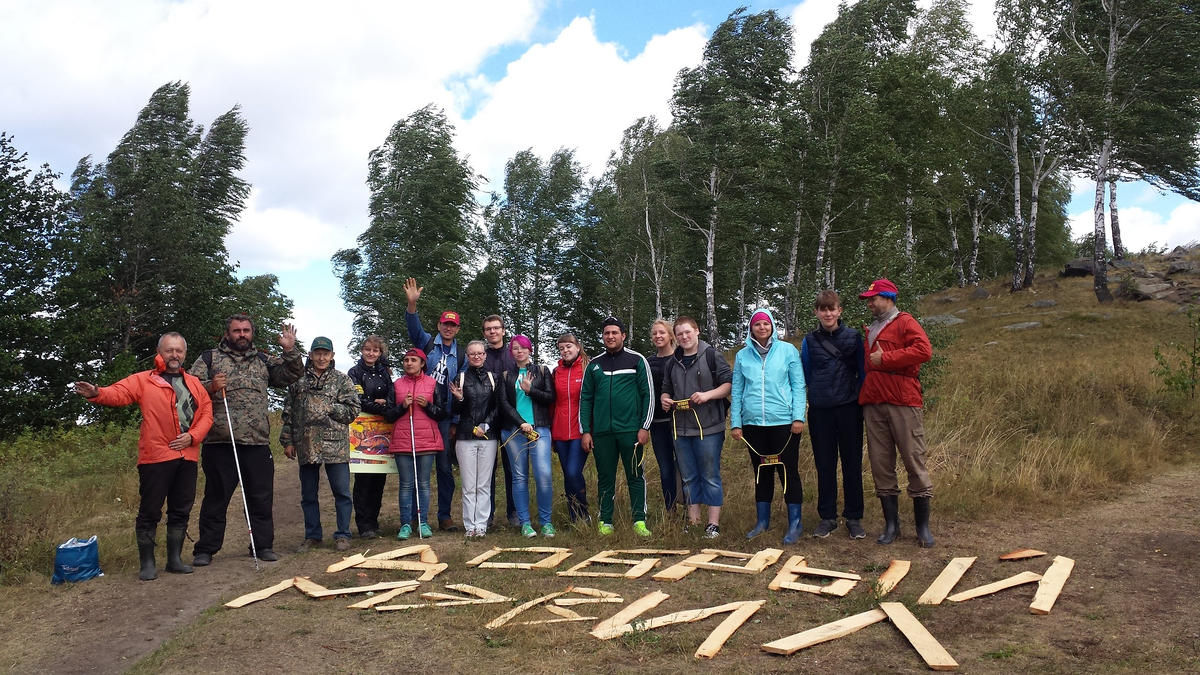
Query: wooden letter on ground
pixel 926 645
pixel 475 596
pixel 788 574
pixel 346 563
pixel 717 639
pixel 830 631
pixel 755 563
pixel 385 586
pixel 945 582
pixel 795 566
pixel 741 611
pixel 308 587
pixel 509 615
pixel 268 592
pixel 895 572
pixel 554 559
pixel 988 589
pixel 637 569
pixel 1051 585
pixel 634 610
pixel 381 598
pixel 1022 553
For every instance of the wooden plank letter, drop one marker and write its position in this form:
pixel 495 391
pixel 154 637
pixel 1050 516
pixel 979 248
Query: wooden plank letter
pixel 830 631
pixel 945 582
pixel 1051 585
pixel 926 645
pixel 988 589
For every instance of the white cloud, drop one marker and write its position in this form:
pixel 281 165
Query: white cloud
pixel 574 92
pixel 809 20
pixel 1141 227
pixel 283 238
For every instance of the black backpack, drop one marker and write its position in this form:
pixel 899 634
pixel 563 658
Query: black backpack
pixel 461 353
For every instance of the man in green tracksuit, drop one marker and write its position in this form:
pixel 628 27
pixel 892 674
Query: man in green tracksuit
pixel 615 411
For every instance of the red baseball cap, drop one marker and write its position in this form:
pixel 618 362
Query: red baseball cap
pixel 879 286
pixel 420 354
pixel 450 317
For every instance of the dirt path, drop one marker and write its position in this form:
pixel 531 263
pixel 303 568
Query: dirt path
pixel 106 625
pixel 1130 606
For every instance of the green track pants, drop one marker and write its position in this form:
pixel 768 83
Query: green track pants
pixel 607 448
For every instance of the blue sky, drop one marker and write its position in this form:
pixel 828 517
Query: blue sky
pixel 320 89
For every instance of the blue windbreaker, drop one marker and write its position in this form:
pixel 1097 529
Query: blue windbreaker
pixel 767 391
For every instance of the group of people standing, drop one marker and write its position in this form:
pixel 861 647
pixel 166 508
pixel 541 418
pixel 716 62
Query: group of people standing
pixel 488 406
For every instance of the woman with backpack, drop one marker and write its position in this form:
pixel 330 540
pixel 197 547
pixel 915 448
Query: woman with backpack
pixel 528 395
pixel 564 426
pixel 372 378
pixel 768 416
pixel 416 439
pixel 476 400
pixel 696 380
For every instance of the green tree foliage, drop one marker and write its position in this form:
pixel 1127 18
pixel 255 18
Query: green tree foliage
pixel 33 376
pixel 421 208
pixel 531 228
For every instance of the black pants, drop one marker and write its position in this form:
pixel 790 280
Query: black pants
pixel 775 440
pixel 508 492
pixel 838 432
pixel 220 481
pixel 173 482
pixel 368 499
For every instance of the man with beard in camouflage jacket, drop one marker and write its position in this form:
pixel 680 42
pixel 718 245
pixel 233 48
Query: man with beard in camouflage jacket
pixel 238 375
pixel 316 418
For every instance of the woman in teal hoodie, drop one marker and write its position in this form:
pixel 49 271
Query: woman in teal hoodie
pixel 768 416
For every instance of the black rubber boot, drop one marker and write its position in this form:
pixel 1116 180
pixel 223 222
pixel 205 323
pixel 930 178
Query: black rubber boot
pixel 891 519
pixel 921 516
pixel 145 542
pixel 174 548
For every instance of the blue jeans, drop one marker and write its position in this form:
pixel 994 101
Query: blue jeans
pixel 339 485
pixel 664 454
pixel 572 458
pixel 700 464
pixel 445 472
pixel 404 467
pixel 521 454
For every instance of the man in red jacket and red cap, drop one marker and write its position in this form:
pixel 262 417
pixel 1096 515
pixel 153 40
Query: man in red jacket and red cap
pixel 176 415
pixel 896 346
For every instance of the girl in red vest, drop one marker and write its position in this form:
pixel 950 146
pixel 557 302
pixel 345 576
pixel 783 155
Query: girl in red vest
pixel 418 410
pixel 564 428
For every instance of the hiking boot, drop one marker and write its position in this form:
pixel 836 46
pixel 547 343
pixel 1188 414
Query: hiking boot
pixel 342 543
pixel 921 517
pixel 764 519
pixel 855 529
pixel 639 528
pixel 145 542
pixel 308 543
pixel 405 532
pixel 267 555
pixel 426 531
pixel 201 559
pixel 605 529
pixel 368 534
pixel 548 531
pixel 712 531
pixel 795 528
pixel 891 519
pixel 174 548
pixel 527 531
pixel 825 528
pixel 447 525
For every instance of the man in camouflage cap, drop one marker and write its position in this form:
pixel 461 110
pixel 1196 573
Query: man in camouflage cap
pixel 316 416
pixel 235 369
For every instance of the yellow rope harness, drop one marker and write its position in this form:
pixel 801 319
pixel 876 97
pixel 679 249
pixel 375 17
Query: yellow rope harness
pixel 685 404
pixel 769 460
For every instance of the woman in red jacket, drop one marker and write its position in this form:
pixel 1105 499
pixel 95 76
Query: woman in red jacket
pixel 564 428
pixel 416 439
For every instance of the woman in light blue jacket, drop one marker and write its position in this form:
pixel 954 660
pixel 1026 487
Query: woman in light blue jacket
pixel 768 416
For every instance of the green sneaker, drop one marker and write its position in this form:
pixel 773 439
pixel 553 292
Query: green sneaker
pixel 405 532
pixel 425 531
pixel 527 531
pixel 605 529
pixel 640 529
pixel 548 531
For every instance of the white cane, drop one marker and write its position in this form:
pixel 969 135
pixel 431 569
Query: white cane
pixel 241 484
pixel 412 433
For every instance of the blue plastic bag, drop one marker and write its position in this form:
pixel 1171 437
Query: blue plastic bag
pixel 77 561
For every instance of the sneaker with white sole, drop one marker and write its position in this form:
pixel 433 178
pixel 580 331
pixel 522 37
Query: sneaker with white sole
pixel 604 529
pixel 548 531
pixel 640 529
pixel 712 531
pixel 527 531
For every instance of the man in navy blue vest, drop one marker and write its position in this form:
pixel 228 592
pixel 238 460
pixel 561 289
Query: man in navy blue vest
pixel 442 364
pixel 832 356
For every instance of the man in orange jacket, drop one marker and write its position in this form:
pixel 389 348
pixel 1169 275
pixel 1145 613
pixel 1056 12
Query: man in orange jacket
pixel 176 415
pixel 896 346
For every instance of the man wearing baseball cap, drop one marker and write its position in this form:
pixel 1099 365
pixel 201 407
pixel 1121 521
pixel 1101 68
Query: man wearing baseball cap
pixel 896 346
pixel 443 362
